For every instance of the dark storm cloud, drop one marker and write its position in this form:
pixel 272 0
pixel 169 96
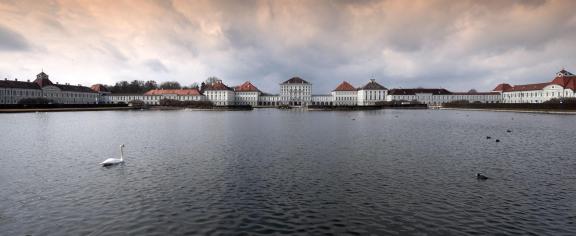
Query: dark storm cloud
pixel 12 41
pixel 434 43
pixel 156 65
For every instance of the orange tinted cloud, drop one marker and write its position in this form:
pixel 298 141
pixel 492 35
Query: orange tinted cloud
pixel 455 44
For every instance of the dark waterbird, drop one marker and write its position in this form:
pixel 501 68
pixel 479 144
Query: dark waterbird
pixel 481 176
pixel 497 140
pixel 488 137
pixel 509 131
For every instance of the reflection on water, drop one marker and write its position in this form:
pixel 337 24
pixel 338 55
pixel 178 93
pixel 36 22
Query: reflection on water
pixel 287 172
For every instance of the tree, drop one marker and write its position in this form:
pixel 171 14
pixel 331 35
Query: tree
pixel 194 85
pixel 170 85
pixel 136 86
pixel 120 87
pixel 472 91
pixel 149 85
pixel 212 80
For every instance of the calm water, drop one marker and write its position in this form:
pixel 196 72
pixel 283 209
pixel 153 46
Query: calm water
pixel 287 172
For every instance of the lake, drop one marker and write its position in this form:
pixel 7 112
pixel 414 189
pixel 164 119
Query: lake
pixel 288 172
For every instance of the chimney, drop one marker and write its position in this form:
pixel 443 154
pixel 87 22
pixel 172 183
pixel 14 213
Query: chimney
pixel 56 82
pixel 5 79
pixel 28 81
pixel 15 79
pixel 372 80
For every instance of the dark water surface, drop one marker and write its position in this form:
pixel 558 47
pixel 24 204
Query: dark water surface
pixel 287 172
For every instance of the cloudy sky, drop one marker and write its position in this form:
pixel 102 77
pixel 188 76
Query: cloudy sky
pixel 455 44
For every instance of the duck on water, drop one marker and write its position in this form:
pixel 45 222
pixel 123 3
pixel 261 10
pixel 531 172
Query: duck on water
pixel 481 176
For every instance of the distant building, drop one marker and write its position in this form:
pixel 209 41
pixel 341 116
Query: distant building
pixel 11 92
pixel 439 96
pixel 345 95
pixel 153 97
pixel 247 94
pixel 293 92
pixel 102 92
pixel 371 93
pixel 562 86
pixel 219 94
pixel 296 92
pixel 269 100
pixel 322 100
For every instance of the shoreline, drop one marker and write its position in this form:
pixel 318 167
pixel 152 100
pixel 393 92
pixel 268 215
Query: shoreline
pixel 565 112
pixel 28 110
pixel 158 108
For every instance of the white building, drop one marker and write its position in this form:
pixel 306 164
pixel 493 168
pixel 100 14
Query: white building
pixel 11 92
pixel 322 100
pixel 371 93
pixel 296 92
pixel 345 95
pixel 269 100
pixel 153 97
pixel 247 94
pixel 219 94
pixel 437 97
pixel 563 86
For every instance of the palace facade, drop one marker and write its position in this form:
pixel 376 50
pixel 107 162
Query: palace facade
pixel 562 86
pixel 293 92
pixel 13 91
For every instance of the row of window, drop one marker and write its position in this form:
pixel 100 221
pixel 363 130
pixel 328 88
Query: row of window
pixel 374 95
pixel 345 98
pixel 445 98
pixel 536 94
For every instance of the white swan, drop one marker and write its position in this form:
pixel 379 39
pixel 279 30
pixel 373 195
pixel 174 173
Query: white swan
pixel 114 161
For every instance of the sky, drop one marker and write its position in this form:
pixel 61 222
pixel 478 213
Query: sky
pixel 458 45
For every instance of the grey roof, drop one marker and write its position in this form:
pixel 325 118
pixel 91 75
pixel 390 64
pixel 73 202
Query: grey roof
pixel 372 85
pixel 18 84
pixel 419 90
pixel 295 80
pixel 74 88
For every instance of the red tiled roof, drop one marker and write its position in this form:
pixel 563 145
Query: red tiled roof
pixel 42 80
pixel 99 88
pixel 181 92
pixel 345 86
pixel 502 87
pixel 565 81
pixel 246 87
pixel 563 78
pixel 295 80
pixel 217 86
pixel 527 87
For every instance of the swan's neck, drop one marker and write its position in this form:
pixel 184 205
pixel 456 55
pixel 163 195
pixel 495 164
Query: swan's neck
pixel 121 153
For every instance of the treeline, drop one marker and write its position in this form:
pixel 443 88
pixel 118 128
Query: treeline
pixel 140 86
